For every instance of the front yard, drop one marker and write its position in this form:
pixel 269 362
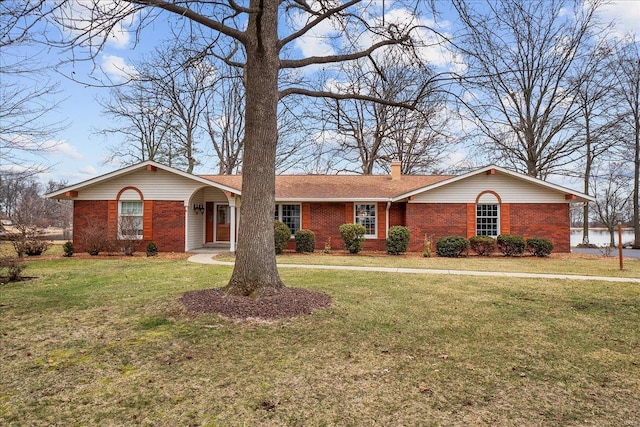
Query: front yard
pixel 106 342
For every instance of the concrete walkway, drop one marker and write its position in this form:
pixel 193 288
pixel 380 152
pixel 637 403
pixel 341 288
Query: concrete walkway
pixel 208 258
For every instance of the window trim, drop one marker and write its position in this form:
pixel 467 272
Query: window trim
pixel 375 218
pixel 497 218
pixel 278 215
pixel 141 216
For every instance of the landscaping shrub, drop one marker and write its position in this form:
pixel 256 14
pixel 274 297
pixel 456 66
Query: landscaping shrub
pixel 327 246
pixel 352 236
pixel 28 241
pixel 281 235
pixel 539 247
pixel 152 249
pixel 398 239
pixel 305 241
pixel 94 239
pixel 451 246
pixel 482 245
pixel 426 252
pixel 10 270
pixel 67 249
pixel 36 246
pixel 510 244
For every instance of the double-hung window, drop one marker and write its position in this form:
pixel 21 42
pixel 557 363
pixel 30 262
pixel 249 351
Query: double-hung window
pixel 366 216
pixel 130 219
pixel 290 215
pixel 487 220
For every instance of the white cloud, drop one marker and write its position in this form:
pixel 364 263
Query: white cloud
pixel 63 149
pixel 116 68
pixel 625 14
pixel 86 19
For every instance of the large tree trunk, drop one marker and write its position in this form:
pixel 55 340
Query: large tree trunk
pixel 255 272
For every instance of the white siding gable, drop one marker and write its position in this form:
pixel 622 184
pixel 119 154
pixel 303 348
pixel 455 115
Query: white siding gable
pixel 154 185
pixel 510 190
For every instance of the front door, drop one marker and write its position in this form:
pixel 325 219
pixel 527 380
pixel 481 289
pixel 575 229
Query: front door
pixel 210 222
pixel 223 229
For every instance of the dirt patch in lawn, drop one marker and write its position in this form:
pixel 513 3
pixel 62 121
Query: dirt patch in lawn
pixel 290 302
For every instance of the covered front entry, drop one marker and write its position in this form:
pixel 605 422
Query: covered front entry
pixel 218 228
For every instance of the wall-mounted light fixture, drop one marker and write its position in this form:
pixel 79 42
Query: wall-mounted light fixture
pixel 198 209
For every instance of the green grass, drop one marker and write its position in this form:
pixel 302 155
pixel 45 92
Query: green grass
pixel 106 342
pixel 559 264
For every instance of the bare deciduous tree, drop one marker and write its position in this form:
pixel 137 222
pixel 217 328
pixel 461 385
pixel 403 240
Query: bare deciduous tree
pixel 627 77
pixel 520 56
pixel 610 185
pixel 254 36
pixel 369 134
pixel 26 95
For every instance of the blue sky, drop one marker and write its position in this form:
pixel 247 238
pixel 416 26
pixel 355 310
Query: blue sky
pixel 80 153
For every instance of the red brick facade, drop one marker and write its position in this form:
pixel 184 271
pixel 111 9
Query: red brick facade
pixel 163 223
pixel 549 221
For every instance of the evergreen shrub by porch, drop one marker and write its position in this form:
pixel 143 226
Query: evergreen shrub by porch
pixel 539 247
pixel 152 249
pixel 482 245
pixel 353 237
pixel 511 244
pixel 281 235
pixel 305 241
pixel 67 248
pixel 398 239
pixel 451 246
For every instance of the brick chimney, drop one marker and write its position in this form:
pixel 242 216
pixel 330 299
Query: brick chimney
pixel 396 170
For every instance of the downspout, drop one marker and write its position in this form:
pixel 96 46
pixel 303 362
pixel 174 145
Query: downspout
pixel 386 231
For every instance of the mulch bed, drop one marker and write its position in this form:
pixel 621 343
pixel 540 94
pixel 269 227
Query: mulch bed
pixel 290 302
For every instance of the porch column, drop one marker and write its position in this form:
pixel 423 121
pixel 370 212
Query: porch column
pixel 232 224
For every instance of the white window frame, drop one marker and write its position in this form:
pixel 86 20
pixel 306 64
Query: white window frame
pixel 140 232
pixel 278 215
pixel 356 218
pixel 497 219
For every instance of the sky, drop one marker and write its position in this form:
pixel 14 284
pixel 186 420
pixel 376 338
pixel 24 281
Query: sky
pixel 79 153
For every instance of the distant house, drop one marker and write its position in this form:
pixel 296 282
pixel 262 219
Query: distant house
pixel 182 212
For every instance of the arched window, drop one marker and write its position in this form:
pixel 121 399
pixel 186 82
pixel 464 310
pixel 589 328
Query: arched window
pixel 130 211
pixel 488 214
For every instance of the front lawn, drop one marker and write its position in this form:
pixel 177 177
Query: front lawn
pixel 106 342
pixel 589 265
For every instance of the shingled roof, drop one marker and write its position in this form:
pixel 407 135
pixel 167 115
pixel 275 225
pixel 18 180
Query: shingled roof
pixel 336 187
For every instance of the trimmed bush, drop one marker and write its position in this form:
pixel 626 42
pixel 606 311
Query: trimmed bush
pixel 281 235
pixel 482 245
pixel 11 269
pixel 305 241
pixel 511 244
pixel 152 249
pixel 398 239
pixel 539 247
pixel 67 249
pixel 352 236
pixel 36 247
pixel 451 246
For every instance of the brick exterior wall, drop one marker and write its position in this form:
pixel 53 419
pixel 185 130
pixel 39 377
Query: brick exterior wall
pixel 166 227
pixel 86 214
pixel 548 221
pixel 436 221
